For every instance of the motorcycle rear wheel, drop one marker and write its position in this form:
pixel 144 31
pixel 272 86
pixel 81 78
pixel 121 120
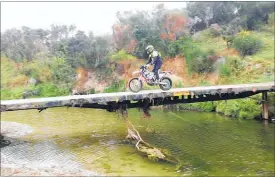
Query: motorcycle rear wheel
pixel 168 84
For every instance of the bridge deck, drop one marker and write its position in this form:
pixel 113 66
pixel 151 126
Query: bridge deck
pixel 21 104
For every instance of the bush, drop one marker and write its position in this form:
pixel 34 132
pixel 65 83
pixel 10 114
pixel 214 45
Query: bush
pixel 197 61
pixel 50 90
pixel 225 70
pixel 176 47
pixel 242 108
pixel 235 63
pixel 231 65
pixel 19 80
pixel 234 26
pixel 36 69
pixel 228 108
pixel 212 32
pixel 204 106
pixel 247 44
pixel 118 86
pixel 10 94
pixel 122 55
pixel 61 71
pixel 200 62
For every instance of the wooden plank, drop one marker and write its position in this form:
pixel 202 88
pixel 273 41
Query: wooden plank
pixel 20 104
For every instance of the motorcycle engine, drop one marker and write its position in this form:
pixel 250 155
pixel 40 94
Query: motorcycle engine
pixel 149 75
pixel 150 82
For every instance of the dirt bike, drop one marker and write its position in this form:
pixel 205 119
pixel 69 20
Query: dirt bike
pixel 136 83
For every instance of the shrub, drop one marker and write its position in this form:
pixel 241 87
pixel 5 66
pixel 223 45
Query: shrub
pixel 204 106
pixel 118 86
pixel 18 80
pixel 225 70
pixel 10 94
pixel 36 69
pixel 231 65
pixel 122 55
pixel 181 46
pixel 212 33
pixel 61 71
pixel 200 62
pixel 235 63
pixel 247 44
pixel 241 108
pixel 228 108
pixel 50 89
pixel 197 61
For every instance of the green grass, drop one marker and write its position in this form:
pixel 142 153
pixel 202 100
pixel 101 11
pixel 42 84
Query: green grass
pixel 116 87
pixel 51 90
pixel 9 94
pixel 206 43
pixel 8 71
pixel 46 90
pixel 267 52
pixel 247 108
pixel 263 58
pixel 121 55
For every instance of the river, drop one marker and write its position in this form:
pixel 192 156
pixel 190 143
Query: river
pixel 204 143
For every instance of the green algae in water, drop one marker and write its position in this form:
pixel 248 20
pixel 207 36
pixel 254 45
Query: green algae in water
pixel 206 144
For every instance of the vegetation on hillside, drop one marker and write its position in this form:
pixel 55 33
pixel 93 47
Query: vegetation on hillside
pixel 216 43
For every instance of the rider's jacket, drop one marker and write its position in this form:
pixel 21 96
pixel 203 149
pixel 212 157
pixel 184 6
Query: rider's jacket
pixel 154 58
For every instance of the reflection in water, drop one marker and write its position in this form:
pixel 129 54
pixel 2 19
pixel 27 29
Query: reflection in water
pixel 204 143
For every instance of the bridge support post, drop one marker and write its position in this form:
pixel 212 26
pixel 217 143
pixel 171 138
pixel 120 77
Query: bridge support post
pixel 264 106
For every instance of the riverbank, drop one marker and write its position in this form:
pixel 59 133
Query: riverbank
pixel 245 108
pixel 24 158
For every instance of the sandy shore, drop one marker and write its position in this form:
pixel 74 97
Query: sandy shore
pixel 23 158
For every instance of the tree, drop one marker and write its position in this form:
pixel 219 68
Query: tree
pixel 212 12
pixel 255 13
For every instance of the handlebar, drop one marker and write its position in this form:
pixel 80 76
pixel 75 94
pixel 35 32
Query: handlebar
pixel 143 67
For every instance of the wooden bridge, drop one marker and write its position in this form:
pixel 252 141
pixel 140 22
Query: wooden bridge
pixel 114 101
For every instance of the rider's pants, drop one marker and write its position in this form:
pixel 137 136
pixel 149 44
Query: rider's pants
pixel 156 69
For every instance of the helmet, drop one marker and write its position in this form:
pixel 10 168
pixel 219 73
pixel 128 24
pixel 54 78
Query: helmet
pixel 149 49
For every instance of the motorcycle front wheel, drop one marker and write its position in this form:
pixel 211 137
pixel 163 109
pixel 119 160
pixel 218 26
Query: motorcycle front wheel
pixel 135 85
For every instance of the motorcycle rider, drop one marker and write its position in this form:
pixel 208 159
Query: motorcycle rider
pixel 154 59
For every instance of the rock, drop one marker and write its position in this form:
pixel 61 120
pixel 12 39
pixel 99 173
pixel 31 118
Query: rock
pixel 216 27
pixel 32 81
pixel 14 129
pixel 221 60
pixel 28 93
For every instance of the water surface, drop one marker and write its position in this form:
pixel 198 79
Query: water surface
pixel 204 143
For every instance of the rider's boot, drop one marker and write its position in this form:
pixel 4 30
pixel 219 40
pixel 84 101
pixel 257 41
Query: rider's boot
pixel 157 81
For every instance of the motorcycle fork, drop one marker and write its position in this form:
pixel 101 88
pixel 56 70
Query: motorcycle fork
pixel 141 78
